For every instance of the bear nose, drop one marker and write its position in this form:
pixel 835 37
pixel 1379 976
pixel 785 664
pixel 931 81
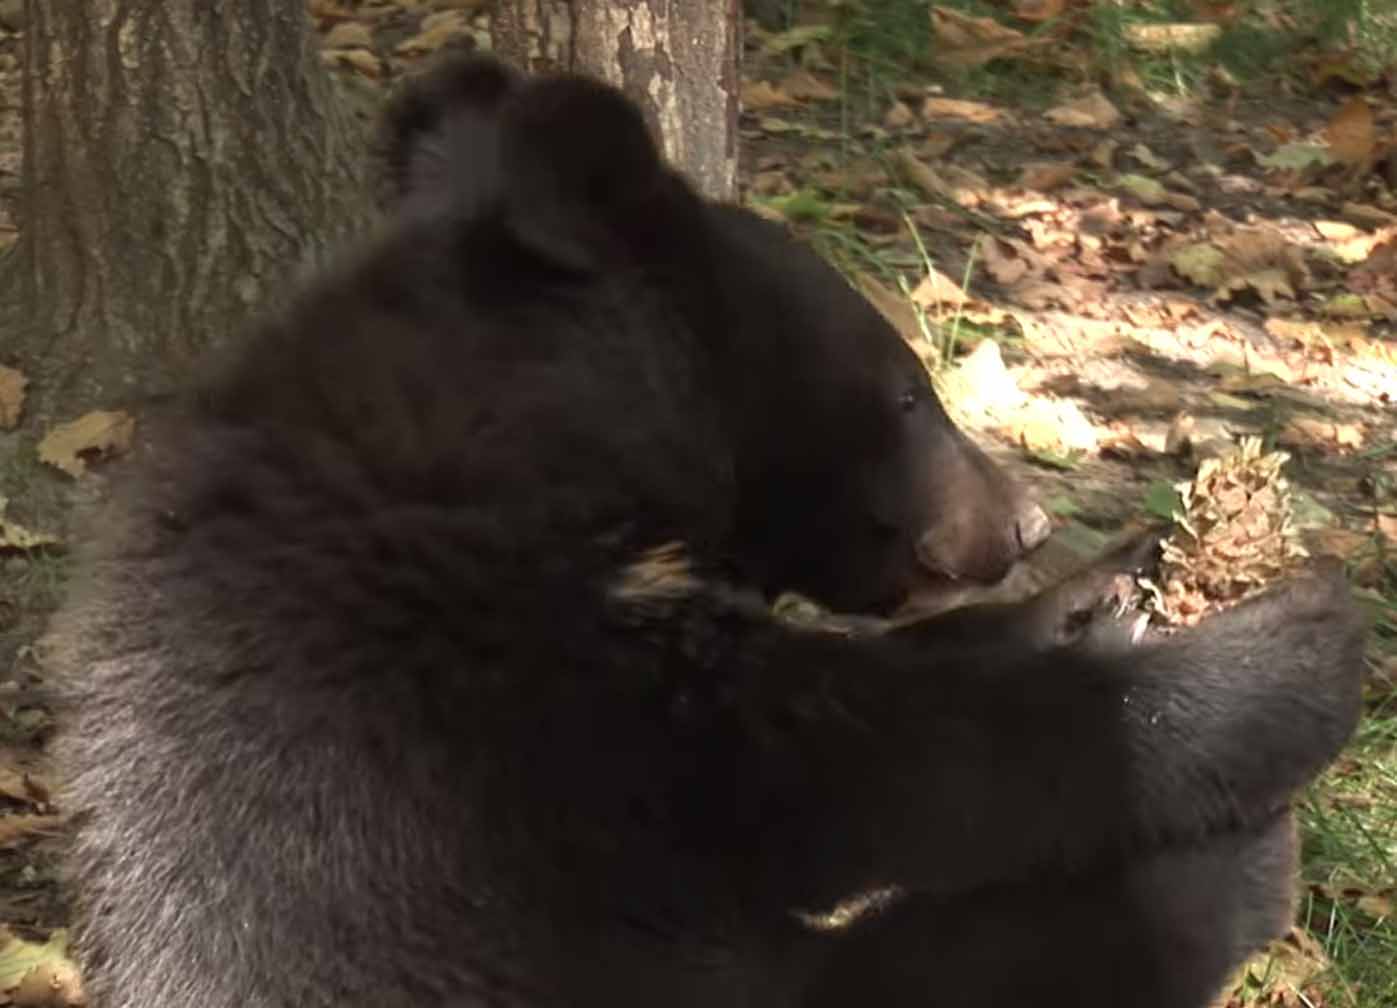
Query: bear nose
pixel 1033 526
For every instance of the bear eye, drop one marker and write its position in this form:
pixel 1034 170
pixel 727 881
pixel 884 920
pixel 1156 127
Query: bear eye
pixel 907 402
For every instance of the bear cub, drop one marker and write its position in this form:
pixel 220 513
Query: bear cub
pixel 426 659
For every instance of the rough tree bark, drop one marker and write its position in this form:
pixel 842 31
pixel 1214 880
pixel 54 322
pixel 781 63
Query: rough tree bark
pixel 676 58
pixel 180 157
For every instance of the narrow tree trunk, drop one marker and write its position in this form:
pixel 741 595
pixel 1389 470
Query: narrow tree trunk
pixel 676 58
pixel 180 157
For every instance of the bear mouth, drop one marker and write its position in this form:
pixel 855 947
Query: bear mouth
pixel 928 592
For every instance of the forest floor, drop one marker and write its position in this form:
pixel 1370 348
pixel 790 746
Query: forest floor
pixel 1109 290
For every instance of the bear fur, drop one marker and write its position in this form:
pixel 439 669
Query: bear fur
pixel 425 659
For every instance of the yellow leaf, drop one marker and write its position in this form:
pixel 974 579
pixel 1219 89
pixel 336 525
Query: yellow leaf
pixel 101 432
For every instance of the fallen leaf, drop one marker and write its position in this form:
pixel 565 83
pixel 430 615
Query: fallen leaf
pixel 1039 10
pixel 1046 175
pixel 761 95
pixel 1297 157
pixel 805 86
pixel 34 975
pixel 1006 267
pixel 965 41
pixel 103 433
pixel 1148 158
pixel 349 35
pixel 1092 110
pixel 899 116
pixel 1163 38
pixel 1352 133
pixel 1103 154
pixel 12 386
pixel 361 61
pixel 936 288
pixel 1310 431
pixel 936 107
pixel 1146 190
pixel 1201 263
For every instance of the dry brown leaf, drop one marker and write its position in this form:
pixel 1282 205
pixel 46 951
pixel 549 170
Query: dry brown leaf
pixel 1093 110
pixel 899 116
pixel 770 183
pixel 1200 263
pixel 1368 216
pixel 1039 10
pixel 12 386
pixel 102 433
pixel 1046 175
pixel 1163 38
pixel 967 188
pixel 349 35
pixel 1351 133
pixel 760 95
pixel 329 10
pixel 936 107
pixel 966 41
pixel 1182 202
pixel 361 61
pixel 936 288
pixel 1148 191
pixel 1377 272
pixel 1264 261
pixel 1104 153
pixel 802 85
pixel 937 145
pixel 1310 431
pixel 1001 261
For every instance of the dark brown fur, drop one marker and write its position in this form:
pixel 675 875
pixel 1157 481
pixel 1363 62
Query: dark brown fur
pixel 369 710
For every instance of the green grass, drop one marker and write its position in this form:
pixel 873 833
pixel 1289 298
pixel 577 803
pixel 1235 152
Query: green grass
pixel 1350 866
pixel 1349 829
pixel 884 41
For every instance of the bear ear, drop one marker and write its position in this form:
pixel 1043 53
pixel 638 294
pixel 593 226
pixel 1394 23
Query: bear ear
pixel 583 180
pixel 440 142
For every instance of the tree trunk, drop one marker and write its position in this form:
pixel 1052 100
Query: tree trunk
pixel 676 58
pixel 180 157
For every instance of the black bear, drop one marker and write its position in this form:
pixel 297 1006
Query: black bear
pixel 425 659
